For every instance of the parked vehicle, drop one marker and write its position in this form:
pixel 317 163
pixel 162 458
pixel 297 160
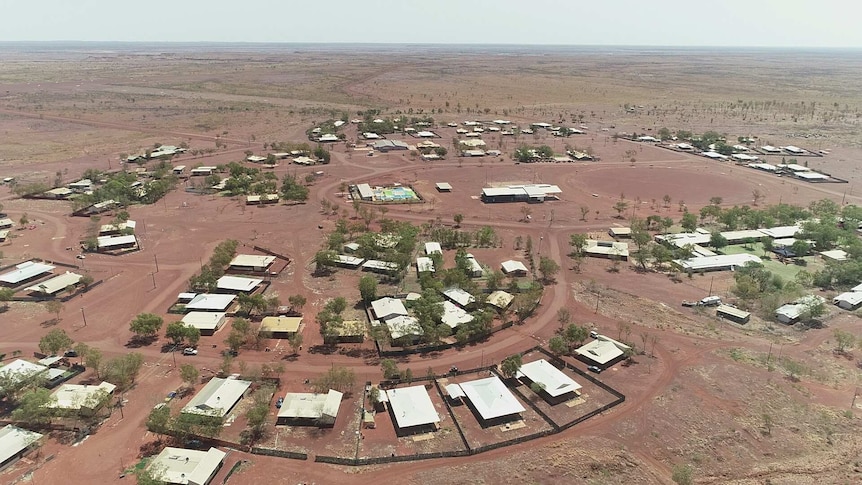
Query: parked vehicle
pixel 279 402
pixel 595 369
pixel 190 351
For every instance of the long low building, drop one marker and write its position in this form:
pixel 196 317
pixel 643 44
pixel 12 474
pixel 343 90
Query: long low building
pixel 15 442
pixel 733 314
pixel 251 262
pixel 114 243
pixel 56 284
pixel 217 398
pixel 280 327
pixel 211 302
pixel 607 249
pixel 206 322
pixel 76 397
pixel 187 467
pixel 850 300
pixel 520 193
pixel 238 283
pixel 310 409
pixel 24 272
pixel 491 399
pixel 716 263
pixel 554 382
pixel 412 409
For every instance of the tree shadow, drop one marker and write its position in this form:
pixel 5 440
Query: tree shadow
pixel 50 322
pixel 291 357
pixel 139 341
pixel 323 349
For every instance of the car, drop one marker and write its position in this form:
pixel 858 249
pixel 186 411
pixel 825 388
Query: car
pixel 70 353
pixel 594 334
pixel 279 402
pixel 190 351
pixel 596 369
pixel 81 256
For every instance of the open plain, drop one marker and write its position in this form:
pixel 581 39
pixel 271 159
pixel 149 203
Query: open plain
pixel 703 396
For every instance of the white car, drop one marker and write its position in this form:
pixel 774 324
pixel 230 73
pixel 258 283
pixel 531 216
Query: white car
pixel 190 351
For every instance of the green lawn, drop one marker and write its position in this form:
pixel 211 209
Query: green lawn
pixel 787 271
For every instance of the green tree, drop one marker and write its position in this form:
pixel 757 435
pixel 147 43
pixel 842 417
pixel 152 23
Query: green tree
pixel 620 206
pixel 688 221
pixel 32 407
pixel 295 341
pixel 458 218
pixel 6 295
pixel 55 307
pixel 123 370
pixel 296 302
pixel 176 332
pixel 158 421
pixel 146 324
pixel 558 346
pixel 548 268
pixel 189 374
pixel 575 335
pixel 844 340
pixel 368 288
pixel 511 365
pixel 339 378
pixel 390 368
pixel 682 475
pixel 717 241
pixel 54 341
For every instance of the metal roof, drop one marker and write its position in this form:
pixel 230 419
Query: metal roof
pixel 25 271
pixel 218 397
pixel 556 383
pixel 412 406
pixel 491 398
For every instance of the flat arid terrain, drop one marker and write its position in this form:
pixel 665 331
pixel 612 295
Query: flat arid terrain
pixel 706 400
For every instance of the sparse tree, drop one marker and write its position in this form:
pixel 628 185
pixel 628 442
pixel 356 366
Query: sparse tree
pixel 458 218
pixel 844 340
pixel 368 288
pixel 548 268
pixel 146 324
pixel 55 307
pixel 54 341
pixel 511 365
pixel 189 374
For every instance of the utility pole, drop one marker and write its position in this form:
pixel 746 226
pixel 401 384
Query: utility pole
pixel 84 316
pixel 156 259
pixel 153 275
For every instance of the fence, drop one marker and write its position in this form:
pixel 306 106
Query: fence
pixel 293 455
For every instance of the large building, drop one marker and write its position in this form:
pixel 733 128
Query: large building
pixel 412 410
pixel 556 385
pixel 187 467
pixel 15 443
pixel 56 284
pixel 302 408
pixel 81 398
pixel 521 193
pixel 207 322
pixel 602 351
pixel 492 400
pixel 217 398
pixel 280 327
pixel 24 273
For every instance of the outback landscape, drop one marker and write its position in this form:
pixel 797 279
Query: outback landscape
pixel 612 176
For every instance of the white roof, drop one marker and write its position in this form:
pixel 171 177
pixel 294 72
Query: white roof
pixel 217 397
pixel 853 298
pixel 857 288
pixel 76 396
pixel 14 440
pixel 835 254
pixel 6 222
pixel 204 320
pixel 365 191
pixel 443 186
pixel 252 260
pixel 426 134
pixel 717 262
pixel 715 155
pixel 210 302
pixel 111 241
pixel 387 308
pixel 454 391
pixel 403 325
pixel 491 398
pixel 348 260
pixel 118 227
pixel 793 149
pixel 433 247
pixel 744 157
pixel 411 406
pixel 512 266
pixel 796 167
pixel 55 284
pixel 453 315
pixel 473 143
pixel 328 137
pixel 781 232
pixel 811 175
pixel 770 148
pixel 459 296
pixel 733 236
pixel 602 350
pixel 19 370
pixel 424 264
pixel 3 235
pixel 380 265
pixel 607 248
pixel 555 381
pixel 237 283
pixel 310 406
pixel 25 271
pixel 685 238
pixel 187 467
pixel 763 166
pixel 500 299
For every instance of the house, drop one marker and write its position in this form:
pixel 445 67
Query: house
pixel 716 263
pixel 514 268
pixel 556 385
pixel 743 157
pixel 203 171
pixel 620 232
pixel 850 300
pixel 237 284
pixel 647 138
pixel 255 159
pixel 781 232
pixel 766 167
pixel 602 351
pixel 81 398
pixel 217 398
pixel 6 223
pixel 280 327
pixel 251 263
pixel 179 170
pixel 459 296
pixel 25 272
pixel 412 410
pixel 500 299
pixel 20 371
pixel 715 155
pixel 328 138
pixel 187 467
pixel 351 247
pixel 811 176
pixel 770 149
pixel 424 264
pixel 81 186
pixel 607 249
pixel 492 400
pixel 389 145
pixel 113 229
pixel 473 153
pixel 793 150
pixel 732 313
pixel 476 270
pixel 58 193
pixel 56 284
pixel 453 315
pixel 207 322
pixel 303 160
pixel 377 266
pixel 386 308
pixel 433 247
pixel 3 235
pixel 303 408
pixel 472 143
pixel 404 329
pixel 211 302
pixel 15 442
pixel 347 261
pixel 792 312
pixel 261 199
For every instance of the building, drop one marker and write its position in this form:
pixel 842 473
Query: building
pixel 81 186
pixel 238 284
pixel 187 467
pixel 386 308
pixel 347 261
pixel 781 232
pixel 433 247
pixel 56 284
pixel 620 232
pixel 81 398
pixel 514 268
pixel 24 273
pixel 404 330
pixel 459 296
pixel 714 155
pixel 179 170
pixel 365 192
pixel 203 171
pixel 770 149
pixel 251 263
pixel 207 322
pixel 850 300
pixel 116 243
pixel 113 229
pixel 3 235
pixel 389 145
pixel 6 223
pixel 443 187
pixel 412 410
pixel 15 443
pixel 280 327
pixel 59 193
pixel 834 255
pixel 602 351
pixel 217 398
pixel 792 312
pixel 744 157
pixel 472 143
pixel 556 385
pixel 19 371
pixel 532 193
pixel 732 313
pixel 793 150
pixel 492 400
pixel 302 408
pixel 607 249
pixel 476 270
pixel 210 302
pixel 500 299
pixel 716 263
pixel 424 264
pixel 377 266
pixel 453 315
pixel 261 199
pixel 328 138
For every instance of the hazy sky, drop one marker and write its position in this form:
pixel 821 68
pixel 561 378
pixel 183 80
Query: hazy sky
pixel 791 23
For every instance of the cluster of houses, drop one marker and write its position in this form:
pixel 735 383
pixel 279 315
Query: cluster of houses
pixel 38 279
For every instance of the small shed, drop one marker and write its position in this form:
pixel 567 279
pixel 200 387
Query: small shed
pixel 732 313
